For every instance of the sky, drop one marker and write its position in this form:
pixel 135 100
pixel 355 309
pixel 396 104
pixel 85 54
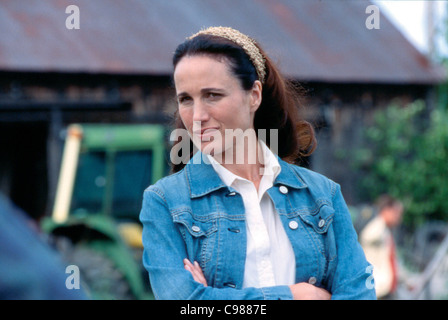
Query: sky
pixel 410 16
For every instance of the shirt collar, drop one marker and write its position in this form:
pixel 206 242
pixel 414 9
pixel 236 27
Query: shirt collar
pixel 271 167
pixel 203 179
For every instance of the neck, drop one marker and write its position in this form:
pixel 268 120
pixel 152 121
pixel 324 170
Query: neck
pixel 248 165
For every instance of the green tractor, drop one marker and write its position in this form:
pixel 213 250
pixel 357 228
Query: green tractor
pixel 104 171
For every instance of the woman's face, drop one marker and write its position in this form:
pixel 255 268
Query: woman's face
pixel 212 101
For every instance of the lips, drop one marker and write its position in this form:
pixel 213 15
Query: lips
pixel 203 130
pixel 205 133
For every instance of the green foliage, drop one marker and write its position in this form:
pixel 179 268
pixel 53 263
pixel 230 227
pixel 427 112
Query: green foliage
pixel 407 157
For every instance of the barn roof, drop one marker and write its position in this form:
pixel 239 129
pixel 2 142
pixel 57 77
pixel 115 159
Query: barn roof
pixel 324 40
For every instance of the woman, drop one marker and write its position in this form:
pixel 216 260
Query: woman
pixel 231 225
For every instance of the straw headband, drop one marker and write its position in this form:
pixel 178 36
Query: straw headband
pixel 246 43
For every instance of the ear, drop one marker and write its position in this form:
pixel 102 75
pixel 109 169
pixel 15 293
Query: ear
pixel 256 95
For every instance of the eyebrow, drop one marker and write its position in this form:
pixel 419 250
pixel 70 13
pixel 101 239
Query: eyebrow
pixel 183 94
pixel 211 89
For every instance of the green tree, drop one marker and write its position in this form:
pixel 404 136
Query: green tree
pixel 407 157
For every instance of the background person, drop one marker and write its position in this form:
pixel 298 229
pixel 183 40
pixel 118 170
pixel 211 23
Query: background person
pixel 29 268
pixel 378 242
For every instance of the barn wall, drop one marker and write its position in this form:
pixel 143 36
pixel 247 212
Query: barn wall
pixel 36 108
pixel 340 113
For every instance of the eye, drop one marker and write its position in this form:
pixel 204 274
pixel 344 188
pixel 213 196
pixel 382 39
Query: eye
pixel 184 99
pixel 213 96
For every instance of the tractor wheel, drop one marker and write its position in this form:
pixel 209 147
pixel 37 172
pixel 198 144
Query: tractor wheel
pixel 99 276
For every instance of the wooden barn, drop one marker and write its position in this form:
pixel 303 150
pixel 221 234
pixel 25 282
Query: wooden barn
pixel 116 68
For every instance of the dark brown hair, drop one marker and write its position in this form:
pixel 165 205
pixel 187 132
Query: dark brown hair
pixel 386 201
pixel 281 98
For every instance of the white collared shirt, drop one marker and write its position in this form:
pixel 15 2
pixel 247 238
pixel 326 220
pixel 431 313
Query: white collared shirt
pixel 270 258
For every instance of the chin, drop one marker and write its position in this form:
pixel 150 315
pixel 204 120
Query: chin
pixel 211 148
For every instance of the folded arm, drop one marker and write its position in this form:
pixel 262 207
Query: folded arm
pixel 164 254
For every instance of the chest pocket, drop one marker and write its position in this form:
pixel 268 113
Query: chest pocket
pixel 319 227
pixel 199 233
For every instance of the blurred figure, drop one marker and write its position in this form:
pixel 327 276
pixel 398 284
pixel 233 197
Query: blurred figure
pixel 29 268
pixel 379 246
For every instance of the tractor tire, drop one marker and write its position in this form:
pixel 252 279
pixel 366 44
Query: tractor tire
pixel 99 277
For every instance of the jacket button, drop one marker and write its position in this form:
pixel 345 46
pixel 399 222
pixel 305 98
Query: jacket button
pixel 312 280
pixel 293 225
pixel 283 189
pixel 195 228
pixel 321 223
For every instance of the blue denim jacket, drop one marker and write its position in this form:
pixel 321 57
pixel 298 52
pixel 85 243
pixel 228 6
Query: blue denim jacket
pixel 192 214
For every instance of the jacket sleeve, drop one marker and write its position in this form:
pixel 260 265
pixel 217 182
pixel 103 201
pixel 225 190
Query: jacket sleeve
pixel 353 278
pixel 164 251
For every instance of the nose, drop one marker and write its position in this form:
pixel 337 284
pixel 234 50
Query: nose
pixel 200 112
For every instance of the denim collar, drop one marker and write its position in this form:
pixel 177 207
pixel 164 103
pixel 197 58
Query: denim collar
pixel 203 179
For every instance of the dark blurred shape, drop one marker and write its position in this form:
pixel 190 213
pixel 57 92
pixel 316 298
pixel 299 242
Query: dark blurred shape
pixel 29 268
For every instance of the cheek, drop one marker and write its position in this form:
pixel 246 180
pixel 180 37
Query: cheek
pixel 236 114
pixel 239 119
pixel 186 116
